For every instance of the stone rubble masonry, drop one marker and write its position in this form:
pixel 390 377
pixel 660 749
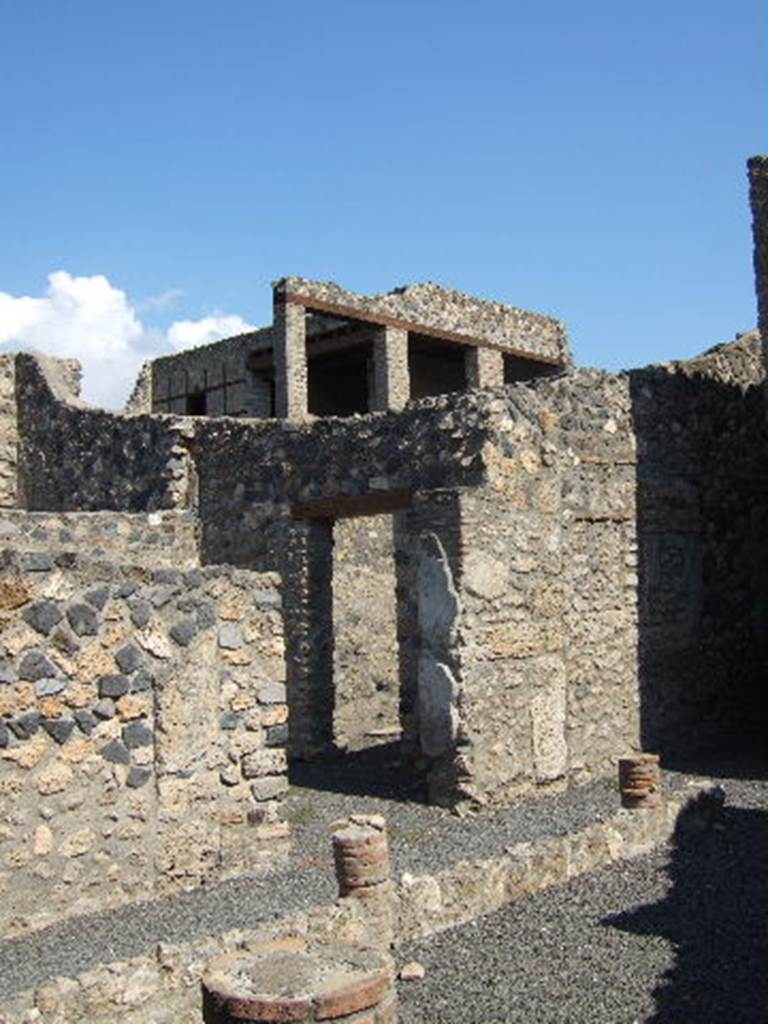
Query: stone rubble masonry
pixel 160 540
pixel 391 382
pixel 432 309
pixel 163 984
pixel 758 181
pixel 138 752
pixel 9 437
pixel 218 370
pixel 235 377
pixel 484 367
pixel 290 358
pixel 605 535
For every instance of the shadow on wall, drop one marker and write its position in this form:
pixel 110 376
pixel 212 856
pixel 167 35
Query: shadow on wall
pixel 715 917
pixel 702 530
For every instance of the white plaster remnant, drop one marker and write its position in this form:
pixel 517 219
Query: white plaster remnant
pixel 438 714
pixel 438 601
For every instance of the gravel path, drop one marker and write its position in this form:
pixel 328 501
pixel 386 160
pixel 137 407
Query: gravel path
pixel 675 937
pixel 423 839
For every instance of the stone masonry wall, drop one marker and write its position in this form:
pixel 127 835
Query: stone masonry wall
pixel 74 458
pixel 219 371
pixel 142 731
pixel 702 511
pixel 9 433
pixel 160 540
pixel 366 671
pixel 442 310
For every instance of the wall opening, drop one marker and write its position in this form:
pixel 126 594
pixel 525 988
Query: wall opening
pixel 337 382
pixel 436 367
pixel 197 404
pixel 519 368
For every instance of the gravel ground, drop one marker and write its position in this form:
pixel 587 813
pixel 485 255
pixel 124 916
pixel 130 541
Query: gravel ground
pixel 677 936
pixel 423 839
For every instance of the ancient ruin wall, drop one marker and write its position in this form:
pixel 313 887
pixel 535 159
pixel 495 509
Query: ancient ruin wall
pixel 9 434
pixel 702 510
pixel 365 669
pixel 75 458
pixel 159 540
pixel 142 731
pixel 219 371
pixel 442 311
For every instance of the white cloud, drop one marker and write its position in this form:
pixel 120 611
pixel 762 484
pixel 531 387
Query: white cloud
pixel 89 319
pixel 190 333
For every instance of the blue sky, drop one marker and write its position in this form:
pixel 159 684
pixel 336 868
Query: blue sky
pixel 167 160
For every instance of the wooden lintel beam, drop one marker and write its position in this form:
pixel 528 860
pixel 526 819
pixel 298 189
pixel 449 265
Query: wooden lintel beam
pixel 352 505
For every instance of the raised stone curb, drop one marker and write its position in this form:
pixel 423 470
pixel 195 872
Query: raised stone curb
pixel 163 986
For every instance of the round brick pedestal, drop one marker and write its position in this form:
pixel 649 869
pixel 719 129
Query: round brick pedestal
pixel 640 780
pixel 291 982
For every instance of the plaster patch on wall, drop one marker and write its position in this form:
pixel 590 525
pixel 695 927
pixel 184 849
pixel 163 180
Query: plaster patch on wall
pixel 438 715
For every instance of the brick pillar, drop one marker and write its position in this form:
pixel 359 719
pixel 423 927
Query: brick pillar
pixel 758 195
pixel 391 380
pixel 361 858
pixel 290 355
pixel 484 367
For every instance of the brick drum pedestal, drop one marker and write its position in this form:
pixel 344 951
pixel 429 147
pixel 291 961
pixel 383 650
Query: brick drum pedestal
pixel 640 781
pixel 289 981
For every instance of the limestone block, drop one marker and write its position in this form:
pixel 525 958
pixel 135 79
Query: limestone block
pixel 485 576
pixel 548 705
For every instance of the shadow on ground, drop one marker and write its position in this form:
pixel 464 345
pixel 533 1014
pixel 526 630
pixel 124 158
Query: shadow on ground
pixel 715 917
pixel 375 771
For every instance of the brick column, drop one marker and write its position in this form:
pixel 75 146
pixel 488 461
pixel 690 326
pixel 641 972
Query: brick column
pixel 758 194
pixel 484 368
pixel 290 355
pixel 391 380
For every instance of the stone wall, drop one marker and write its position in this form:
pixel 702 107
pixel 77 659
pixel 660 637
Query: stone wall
pixel 75 458
pixel 9 434
pixel 219 372
pixel 142 731
pixel 160 540
pixel 430 308
pixel 702 512
pixel 365 669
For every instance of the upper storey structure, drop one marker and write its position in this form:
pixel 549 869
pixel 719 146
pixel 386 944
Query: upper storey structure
pixel 330 352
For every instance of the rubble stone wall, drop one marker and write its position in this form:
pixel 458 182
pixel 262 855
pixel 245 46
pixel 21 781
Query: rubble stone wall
pixel 9 433
pixel 366 672
pixel 160 540
pixel 75 458
pixel 219 371
pixel 142 731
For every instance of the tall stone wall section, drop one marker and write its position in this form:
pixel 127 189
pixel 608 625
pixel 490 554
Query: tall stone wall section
pixel 74 458
pixel 142 732
pixel 159 540
pixel 702 512
pixel 9 433
pixel 365 668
